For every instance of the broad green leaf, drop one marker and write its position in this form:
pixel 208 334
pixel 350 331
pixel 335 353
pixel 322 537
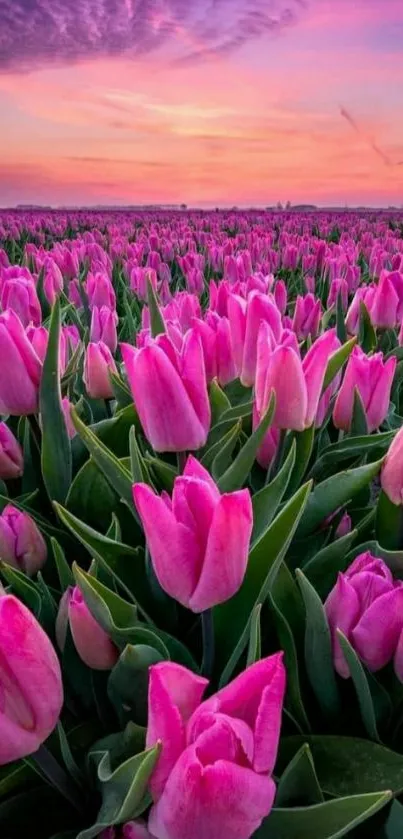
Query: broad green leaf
pixel 359 425
pixel 232 619
pixel 389 523
pixel 347 765
pixel 335 492
pixel 117 476
pixel 227 442
pixel 304 445
pixel 361 685
pixel 366 333
pixel 128 683
pixel 22 587
pixel 236 475
pixel 222 452
pixel 323 568
pixel 318 650
pixel 330 820
pixel 219 402
pixel 336 362
pixel 299 783
pixel 266 502
pixel 157 325
pixel 56 450
pixel 91 496
pixel 115 615
pixel 245 409
pixel 163 472
pixel 349 448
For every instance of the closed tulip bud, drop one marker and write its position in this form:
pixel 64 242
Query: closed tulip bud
pixel 372 377
pixel 20 296
pixel 93 645
pixel 11 456
pixel 52 282
pixel 280 296
pixel 392 470
pixel 170 392
pixel 98 365
pixel 307 315
pixel 67 406
pixel 199 541
pixel 217 758
pixel 100 291
pixel 103 327
pixel 245 317
pixel 385 304
pixel 30 682
pixel 344 526
pixel 366 605
pixel 20 377
pixel 21 543
pixel 338 288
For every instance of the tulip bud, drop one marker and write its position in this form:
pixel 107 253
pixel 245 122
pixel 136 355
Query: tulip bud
pixel 31 689
pixel 11 456
pixel 97 366
pixel 21 543
pixel 20 296
pixel 92 643
pixel 103 327
pixel 373 378
pixel 20 377
pixel 392 470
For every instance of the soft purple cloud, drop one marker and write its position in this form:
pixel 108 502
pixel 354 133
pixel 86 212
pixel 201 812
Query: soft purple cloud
pixel 34 33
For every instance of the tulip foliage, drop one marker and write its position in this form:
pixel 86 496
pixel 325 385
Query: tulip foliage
pixel 201 525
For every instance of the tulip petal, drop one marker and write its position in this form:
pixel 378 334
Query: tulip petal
pixel 226 556
pixel 342 610
pixel 376 635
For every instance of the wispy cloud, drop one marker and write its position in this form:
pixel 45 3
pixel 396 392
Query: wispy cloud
pixel 34 33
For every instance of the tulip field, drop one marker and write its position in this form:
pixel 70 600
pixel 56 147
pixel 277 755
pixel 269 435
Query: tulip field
pixel 201 524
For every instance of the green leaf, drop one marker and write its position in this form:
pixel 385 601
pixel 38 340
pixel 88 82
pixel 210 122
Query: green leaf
pixel 359 425
pixel 56 450
pixel 92 496
pixel 255 637
pixel 219 402
pixel 336 362
pixel 241 411
pixel 162 471
pixel 124 790
pixel 128 683
pixel 22 587
pixel 323 568
pixel 330 820
pixel 347 765
pixel 335 492
pixel 125 563
pixel 232 619
pixel 304 446
pixel 366 332
pixel 389 523
pixel 318 650
pixel 67 756
pixel 236 475
pixel 299 783
pixel 266 502
pixel 393 829
pixel 340 322
pixel 139 470
pixel 362 687
pixel 222 452
pixel 121 391
pixel 349 448
pixel 157 324
pixel 117 476
pixel 227 441
pixel 115 615
pixel 63 568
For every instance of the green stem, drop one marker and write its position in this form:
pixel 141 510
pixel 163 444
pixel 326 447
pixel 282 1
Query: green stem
pixel 57 777
pixel 208 643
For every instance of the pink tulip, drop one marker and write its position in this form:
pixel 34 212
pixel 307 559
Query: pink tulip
pixel 366 605
pixel 170 392
pixel 385 304
pixel 30 682
pixel 339 286
pixel 215 337
pixel 392 470
pixel 245 317
pixel 52 282
pixel 11 456
pixel 20 296
pixel 97 366
pixel 67 406
pixel 280 296
pixel 344 526
pixel 103 327
pixel 100 291
pixel 373 378
pixel 213 777
pixel 363 295
pixel 307 315
pixel 297 384
pixel 21 543
pixel 92 643
pixel 199 541
pixel 20 376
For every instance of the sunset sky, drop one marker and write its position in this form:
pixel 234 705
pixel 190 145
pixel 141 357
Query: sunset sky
pixel 205 102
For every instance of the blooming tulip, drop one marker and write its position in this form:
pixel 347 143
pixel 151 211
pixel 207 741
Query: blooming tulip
pixel 92 643
pixel 366 605
pixel 245 317
pixel 11 456
pixel 103 327
pixel 21 543
pixel 97 366
pixel 213 777
pixel 170 392
pixel 373 378
pixel 30 682
pixel 199 541
pixel 20 368
pixel 392 470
